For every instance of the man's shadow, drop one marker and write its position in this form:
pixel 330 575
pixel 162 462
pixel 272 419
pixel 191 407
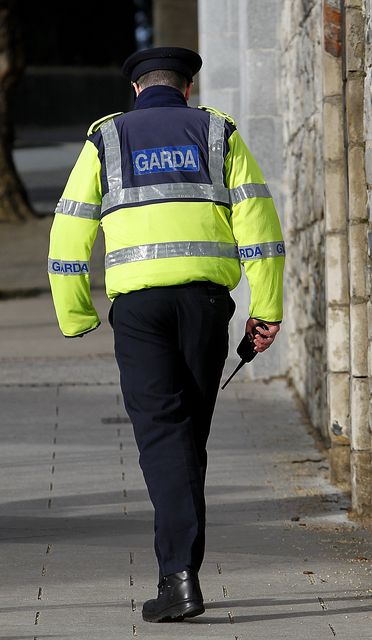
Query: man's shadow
pixel 232 618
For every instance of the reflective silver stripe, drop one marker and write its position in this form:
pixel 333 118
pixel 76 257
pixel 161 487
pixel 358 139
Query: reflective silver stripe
pixel 112 155
pixel 216 136
pixel 79 209
pixel 169 191
pixel 244 191
pixel 261 250
pixel 171 250
pixel 186 191
pixel 68 267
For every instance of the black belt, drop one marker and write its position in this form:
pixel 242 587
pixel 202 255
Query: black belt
pixel 195 284
pixel 203 284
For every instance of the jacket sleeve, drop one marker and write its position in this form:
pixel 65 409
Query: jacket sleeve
pixel 72 236
pixel 256 229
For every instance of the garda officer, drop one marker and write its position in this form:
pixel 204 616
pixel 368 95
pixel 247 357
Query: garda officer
pixel 182 203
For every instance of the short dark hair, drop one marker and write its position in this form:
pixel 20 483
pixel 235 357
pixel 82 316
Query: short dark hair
pixel 164 77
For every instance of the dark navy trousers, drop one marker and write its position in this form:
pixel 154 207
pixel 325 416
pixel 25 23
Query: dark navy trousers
pixel 171 344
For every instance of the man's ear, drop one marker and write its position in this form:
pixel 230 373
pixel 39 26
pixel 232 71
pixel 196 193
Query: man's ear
pixel 136 89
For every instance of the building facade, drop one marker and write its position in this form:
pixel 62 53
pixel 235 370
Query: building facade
pixel 326 79
pixel 297 77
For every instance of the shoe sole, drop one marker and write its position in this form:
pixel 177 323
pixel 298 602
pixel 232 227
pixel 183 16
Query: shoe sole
pixel 177 613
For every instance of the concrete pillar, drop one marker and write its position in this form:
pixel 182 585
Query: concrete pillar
pixel 239 43
pixel 361 471
pixel 368 172
pixel 336 254
pixel 219 48
pixel 261 125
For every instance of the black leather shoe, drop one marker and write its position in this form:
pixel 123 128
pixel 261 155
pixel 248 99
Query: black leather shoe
pixel 179 597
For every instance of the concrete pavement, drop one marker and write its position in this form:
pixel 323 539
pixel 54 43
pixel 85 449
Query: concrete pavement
pixel 283 560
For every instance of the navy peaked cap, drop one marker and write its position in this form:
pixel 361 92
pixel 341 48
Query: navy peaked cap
pixel 184 61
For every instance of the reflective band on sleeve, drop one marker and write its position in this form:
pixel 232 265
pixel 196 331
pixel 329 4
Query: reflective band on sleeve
pixel 171 250
pixel 168 191
pixel 112 155
pixel 216 147
pixel 262 250
pixel 68 267
pixel 244 191
pixel 79 209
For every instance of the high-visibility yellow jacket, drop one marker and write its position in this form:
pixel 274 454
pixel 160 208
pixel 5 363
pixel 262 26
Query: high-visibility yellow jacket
pixel 180 198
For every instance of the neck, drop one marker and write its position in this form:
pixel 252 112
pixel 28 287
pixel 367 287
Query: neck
pixel 160 96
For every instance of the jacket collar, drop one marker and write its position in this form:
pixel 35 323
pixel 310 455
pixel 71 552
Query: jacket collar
pixel 159 96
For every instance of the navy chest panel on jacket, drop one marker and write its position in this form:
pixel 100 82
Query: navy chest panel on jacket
pixel 164 144
pixel 160 145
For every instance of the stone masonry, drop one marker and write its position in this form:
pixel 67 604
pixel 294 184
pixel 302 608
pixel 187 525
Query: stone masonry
pixel 301 75
pixel 368 168
pixel 367 135
pixel 326 78
pixel 336 243
pixel 355 98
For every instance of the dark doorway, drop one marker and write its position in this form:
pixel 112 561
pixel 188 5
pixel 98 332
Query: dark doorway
pixel 73 57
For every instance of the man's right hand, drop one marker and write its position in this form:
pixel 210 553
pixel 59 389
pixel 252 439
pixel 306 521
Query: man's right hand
pixel 263 338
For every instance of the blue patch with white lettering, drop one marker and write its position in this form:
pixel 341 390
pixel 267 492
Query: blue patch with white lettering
pixel 166 159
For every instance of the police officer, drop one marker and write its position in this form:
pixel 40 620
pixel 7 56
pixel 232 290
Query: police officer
pixel 182 203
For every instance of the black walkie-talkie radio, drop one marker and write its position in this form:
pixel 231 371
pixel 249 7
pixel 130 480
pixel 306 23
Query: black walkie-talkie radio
pixel 245 350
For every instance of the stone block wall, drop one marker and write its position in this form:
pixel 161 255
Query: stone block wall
pixel 368 169
pixel 336 243
pixel 368 176
pixel 301 78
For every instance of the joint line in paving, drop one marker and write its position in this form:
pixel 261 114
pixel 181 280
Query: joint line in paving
pixel 49 504
pixel 332 629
